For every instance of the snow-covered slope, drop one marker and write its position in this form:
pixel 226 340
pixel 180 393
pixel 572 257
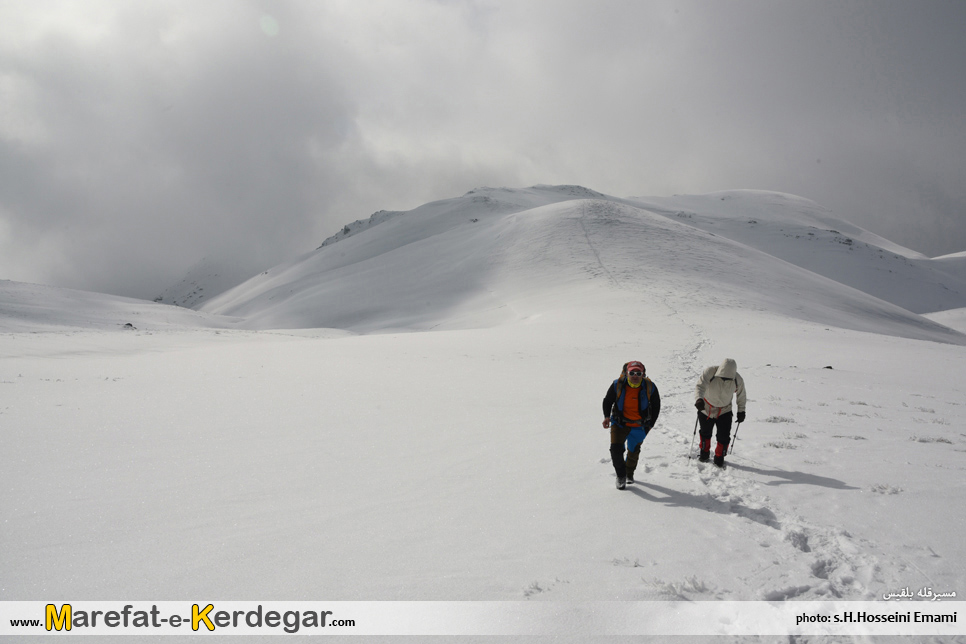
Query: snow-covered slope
pixel 359 225
pixel 34 307
pixel 953 318
pixel 408 271
pixel 483 258
pixel 470 464
pixel 803 233
pixel 204 280
pixel 954 264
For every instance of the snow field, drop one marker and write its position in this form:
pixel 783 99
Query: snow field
pixel 471 464
pixel 444 442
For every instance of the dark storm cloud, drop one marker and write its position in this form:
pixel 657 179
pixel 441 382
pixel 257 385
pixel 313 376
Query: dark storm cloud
pixel 857 105
pixel 138 138
pixel 151 155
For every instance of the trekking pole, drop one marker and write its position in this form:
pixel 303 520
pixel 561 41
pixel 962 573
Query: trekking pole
pixel 693 434
pixel 732 447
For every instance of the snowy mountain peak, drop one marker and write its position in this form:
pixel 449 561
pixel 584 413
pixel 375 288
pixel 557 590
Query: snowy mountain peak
pixel 566 190
pixel 499 255
pixel 492 255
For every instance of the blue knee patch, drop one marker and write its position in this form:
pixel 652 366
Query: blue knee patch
pixel 635 438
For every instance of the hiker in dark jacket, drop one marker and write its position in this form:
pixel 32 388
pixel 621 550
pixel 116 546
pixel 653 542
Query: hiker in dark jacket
pixel 631 408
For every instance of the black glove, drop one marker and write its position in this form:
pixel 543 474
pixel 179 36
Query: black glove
pixel 741 416
pixel 699 403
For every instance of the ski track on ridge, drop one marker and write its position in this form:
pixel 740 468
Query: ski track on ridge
pixel 799 559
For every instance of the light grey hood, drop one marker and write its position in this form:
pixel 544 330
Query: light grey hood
pixel 728 369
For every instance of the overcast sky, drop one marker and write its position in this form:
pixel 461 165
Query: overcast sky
pixel 137 138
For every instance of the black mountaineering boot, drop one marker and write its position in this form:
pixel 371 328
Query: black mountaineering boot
pixel 630 477
pixel 621 483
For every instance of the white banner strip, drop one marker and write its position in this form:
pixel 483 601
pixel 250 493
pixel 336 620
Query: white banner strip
pixel 920 618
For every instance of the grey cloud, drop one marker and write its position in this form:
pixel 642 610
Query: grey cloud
pixel 162 133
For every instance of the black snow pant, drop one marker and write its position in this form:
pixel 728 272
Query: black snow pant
pixel 723 423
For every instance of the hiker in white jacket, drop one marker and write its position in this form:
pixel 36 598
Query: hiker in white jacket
pixel 713 395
